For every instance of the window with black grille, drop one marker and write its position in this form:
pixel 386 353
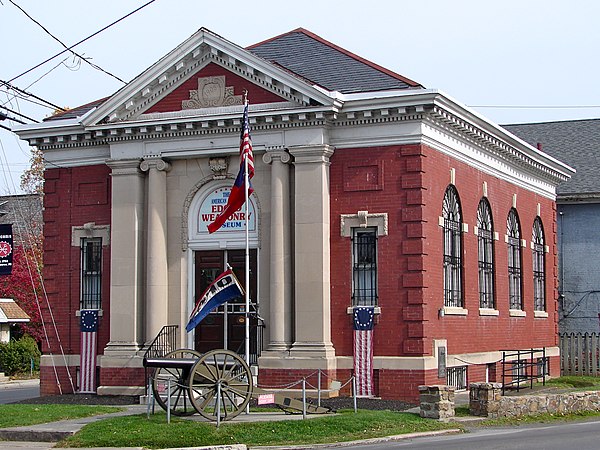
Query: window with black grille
pixel 364 267
pixel 539 266
pixel 453 294
pixel 485 240
pixel 513 231
pixel 91 273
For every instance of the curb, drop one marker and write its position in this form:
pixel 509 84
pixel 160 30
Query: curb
pixel 381 440
pixel 34 436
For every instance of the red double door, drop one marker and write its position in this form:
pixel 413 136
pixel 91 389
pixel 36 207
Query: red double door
pixel 225 327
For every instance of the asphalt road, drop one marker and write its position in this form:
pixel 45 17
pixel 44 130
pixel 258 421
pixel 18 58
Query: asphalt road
pixel 559 436
pixel 15 391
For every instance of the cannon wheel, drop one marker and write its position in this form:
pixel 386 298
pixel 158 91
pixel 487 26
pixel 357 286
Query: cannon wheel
pixel 230 371
pixel 180 400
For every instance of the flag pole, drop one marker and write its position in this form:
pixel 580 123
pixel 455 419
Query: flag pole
pixel 247 262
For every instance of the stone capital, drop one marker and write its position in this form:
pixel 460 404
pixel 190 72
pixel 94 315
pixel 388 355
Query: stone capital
pixel 277 154
pixel 307 154
pixel 124 166
pixel 155 163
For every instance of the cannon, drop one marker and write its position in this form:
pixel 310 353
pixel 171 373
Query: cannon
pixel 217 385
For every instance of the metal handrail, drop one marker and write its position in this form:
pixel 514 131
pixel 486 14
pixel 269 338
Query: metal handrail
pixel 164 342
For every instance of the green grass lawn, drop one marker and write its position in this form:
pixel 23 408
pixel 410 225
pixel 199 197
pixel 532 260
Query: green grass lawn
pixel 18 415
pixel 138 431
pixel 575 382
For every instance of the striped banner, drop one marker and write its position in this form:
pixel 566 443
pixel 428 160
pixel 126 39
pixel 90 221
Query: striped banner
pixel 89 351
pixel 363 350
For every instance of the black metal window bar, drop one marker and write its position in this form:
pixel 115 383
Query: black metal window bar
pixel 457 377
pixel 364 267
pixel 539 266
pixel 91 273
pixel 514 261
pixel 453 295
pixel 522 367
pixel 485 240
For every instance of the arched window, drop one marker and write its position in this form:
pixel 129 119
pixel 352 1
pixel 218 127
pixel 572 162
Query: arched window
pixel 485 240
pixel 539 266
pixel 452 249
pixel 513 231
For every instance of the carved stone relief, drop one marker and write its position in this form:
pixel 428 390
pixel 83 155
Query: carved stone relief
pixel 211 92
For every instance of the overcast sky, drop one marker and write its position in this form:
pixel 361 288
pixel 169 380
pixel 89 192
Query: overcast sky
pixel 531 56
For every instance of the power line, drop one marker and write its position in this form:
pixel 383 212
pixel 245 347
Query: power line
pixel 82 41
pixel 535 106
pixel 7 84
pixel 5 117
pixel 61 43
pixel 23 97
pixel 18 114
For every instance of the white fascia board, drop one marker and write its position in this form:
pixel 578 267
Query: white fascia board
pixel 167 62
pixel 395 93
pixel 388 99
pixel 49 129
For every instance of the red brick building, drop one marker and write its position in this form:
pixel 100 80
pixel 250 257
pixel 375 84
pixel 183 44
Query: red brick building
pixel 370 190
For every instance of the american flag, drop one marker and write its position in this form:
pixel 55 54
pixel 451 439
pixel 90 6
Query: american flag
pixel 89 335
pixel 363 349
pixel 237 196
pixel 246 144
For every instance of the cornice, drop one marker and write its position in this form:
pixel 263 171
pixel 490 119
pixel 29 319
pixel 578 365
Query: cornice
pixel 169 128
pixel 497 146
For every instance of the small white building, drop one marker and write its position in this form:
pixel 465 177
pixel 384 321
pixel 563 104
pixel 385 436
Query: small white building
pixel 10 313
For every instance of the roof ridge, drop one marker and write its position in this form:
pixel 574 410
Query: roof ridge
pixel 354 56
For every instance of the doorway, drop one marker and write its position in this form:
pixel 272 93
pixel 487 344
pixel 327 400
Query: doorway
pixel 225 327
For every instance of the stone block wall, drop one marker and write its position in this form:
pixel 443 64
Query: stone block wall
pixel 485 399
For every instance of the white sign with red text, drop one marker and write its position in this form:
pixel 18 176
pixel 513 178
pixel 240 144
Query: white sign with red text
pixel 212 206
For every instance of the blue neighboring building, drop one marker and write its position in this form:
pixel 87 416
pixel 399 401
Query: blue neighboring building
pixel 576 143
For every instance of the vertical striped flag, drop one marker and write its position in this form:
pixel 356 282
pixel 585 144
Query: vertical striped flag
pixel 89 337
pixel 237 196
pixel 363 349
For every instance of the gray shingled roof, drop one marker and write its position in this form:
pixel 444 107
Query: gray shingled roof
pixel 574 142
pixel 24 212
pixel 327 65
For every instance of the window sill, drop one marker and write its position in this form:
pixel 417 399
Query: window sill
pixel 78 313
pixel 350 309
pixel 454 311
pixel 540 314
pixel 488 312
pixel 516 313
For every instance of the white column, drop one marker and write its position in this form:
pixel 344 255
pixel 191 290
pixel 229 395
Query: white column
pixel 280 296
pixel 156 247
pixel 312 254
pixel 126 263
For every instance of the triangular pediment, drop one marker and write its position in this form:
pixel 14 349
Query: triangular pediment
pixel 207 75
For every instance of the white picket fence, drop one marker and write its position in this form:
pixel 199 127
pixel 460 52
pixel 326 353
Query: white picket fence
pixel 579 354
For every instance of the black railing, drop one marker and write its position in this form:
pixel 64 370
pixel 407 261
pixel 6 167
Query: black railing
pixel 256 345
pixel 522 367
pixel 164 342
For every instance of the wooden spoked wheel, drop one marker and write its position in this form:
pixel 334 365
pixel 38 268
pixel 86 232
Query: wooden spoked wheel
pixel 220 384
pixel 177 379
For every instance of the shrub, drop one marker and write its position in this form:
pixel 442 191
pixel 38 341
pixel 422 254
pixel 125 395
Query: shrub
pixel 15 356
